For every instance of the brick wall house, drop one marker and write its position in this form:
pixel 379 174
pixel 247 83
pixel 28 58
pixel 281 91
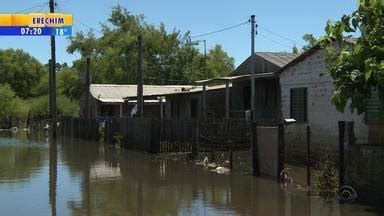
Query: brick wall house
pixel 306 97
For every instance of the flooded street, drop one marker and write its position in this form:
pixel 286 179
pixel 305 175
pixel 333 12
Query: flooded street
pixel 88 178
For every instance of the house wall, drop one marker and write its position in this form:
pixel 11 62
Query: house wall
pixel 322 116
pixel 215 104
pixel 185 105
pixel 266 99
pixel 152 111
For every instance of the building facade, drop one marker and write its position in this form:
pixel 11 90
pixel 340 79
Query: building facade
pixel 306 97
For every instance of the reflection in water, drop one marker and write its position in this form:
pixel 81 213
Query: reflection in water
pixel 52 175
pixel 87 178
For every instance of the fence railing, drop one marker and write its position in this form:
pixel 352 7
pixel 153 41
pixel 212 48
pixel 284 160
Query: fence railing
pixel 169 135
pixel 87 129
pixel 262 142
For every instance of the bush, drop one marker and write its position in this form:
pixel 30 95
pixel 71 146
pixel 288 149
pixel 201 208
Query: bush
pixel 65 106
pixel 326 180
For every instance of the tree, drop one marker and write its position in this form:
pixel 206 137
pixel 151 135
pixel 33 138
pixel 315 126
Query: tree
pixel 168 57
pixel 218 62
pixel 311 41
pixel 359 68
pixel 295 49
pixel 11 106
pixel 40 106
pixel 20 71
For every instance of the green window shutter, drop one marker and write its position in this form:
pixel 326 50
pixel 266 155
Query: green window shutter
pixel 298 104
pixel 375 109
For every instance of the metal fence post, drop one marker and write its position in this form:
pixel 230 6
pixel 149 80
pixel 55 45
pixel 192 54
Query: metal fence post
pixel 280 150
pixel 341 125
pixel 195 144
pixel 308 156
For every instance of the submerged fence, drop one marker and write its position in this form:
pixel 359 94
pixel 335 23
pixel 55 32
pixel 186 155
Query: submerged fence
pixel 87 129
pixel 177 135
pixel 262 144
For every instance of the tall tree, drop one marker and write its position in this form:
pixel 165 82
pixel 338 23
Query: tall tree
pixel 20 71
pixel 295 49
pixel 359 68
pixel 169 57
pixel 311 41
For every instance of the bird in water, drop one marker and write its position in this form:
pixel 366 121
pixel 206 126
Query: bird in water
pixel 221 170
pixel 213 166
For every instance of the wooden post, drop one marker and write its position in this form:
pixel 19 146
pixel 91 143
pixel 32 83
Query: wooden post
pixel 227 99
pixel 205 101
pixel 161 108
pixel 88 89
pixel 195 144
pixel 229 134
pixel 255 150
pixel 280 150
pixel 308 156
pixel 351 133
pixel 347 158
pixel 155 136
pixel 52 80
pixel 231 159
pixel 341 125
pixel 140 100
pixel 253 66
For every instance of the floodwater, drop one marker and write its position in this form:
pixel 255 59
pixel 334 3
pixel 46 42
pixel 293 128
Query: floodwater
pixel 75 177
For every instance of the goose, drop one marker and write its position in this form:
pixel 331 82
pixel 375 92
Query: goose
pixel 206 163
pixel 221 170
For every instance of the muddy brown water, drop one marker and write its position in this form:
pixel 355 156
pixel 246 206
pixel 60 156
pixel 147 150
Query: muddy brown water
pixel 74 177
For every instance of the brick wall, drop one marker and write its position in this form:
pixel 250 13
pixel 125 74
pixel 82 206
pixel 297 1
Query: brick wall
pixel 322 115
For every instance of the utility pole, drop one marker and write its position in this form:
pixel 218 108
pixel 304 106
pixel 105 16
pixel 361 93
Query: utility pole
pixel 253 94
pixel 88 86
pixel 140 101
pixel 52 80
pixel 205 59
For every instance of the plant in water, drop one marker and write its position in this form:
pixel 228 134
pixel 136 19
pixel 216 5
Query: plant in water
pixel 326 180
pixel 101 132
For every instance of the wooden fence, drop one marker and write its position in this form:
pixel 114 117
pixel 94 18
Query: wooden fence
pixel 171 135
pixel 87 129
pixel 264 142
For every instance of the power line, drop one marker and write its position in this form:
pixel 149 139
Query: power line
pixel 281 36
pixel 86 25
pixel 274 41
pixel 78 21
pixel 221 30
pixel 28 9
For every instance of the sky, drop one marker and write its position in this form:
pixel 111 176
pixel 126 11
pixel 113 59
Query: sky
pixel 281 24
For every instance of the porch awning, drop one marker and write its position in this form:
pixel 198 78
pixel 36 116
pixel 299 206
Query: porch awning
pixel 236 78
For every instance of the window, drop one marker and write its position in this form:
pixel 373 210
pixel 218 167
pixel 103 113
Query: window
pixel 298 105
pixel 375 108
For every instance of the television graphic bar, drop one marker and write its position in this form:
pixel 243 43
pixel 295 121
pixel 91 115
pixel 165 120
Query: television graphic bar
pixel 36 24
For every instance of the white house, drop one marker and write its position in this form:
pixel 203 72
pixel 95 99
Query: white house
pixel 306 97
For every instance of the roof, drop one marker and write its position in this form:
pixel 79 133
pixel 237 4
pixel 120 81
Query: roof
pixel 196 89
pixel 266 62
pixel 110 93
pixel 278 58
pixel 235 78
pixel 302 56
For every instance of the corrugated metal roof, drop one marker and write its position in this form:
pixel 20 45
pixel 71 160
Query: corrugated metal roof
pixel 110 93
pixel 278 58
pixel 235 78
pixel 266 62
pixel 196 89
